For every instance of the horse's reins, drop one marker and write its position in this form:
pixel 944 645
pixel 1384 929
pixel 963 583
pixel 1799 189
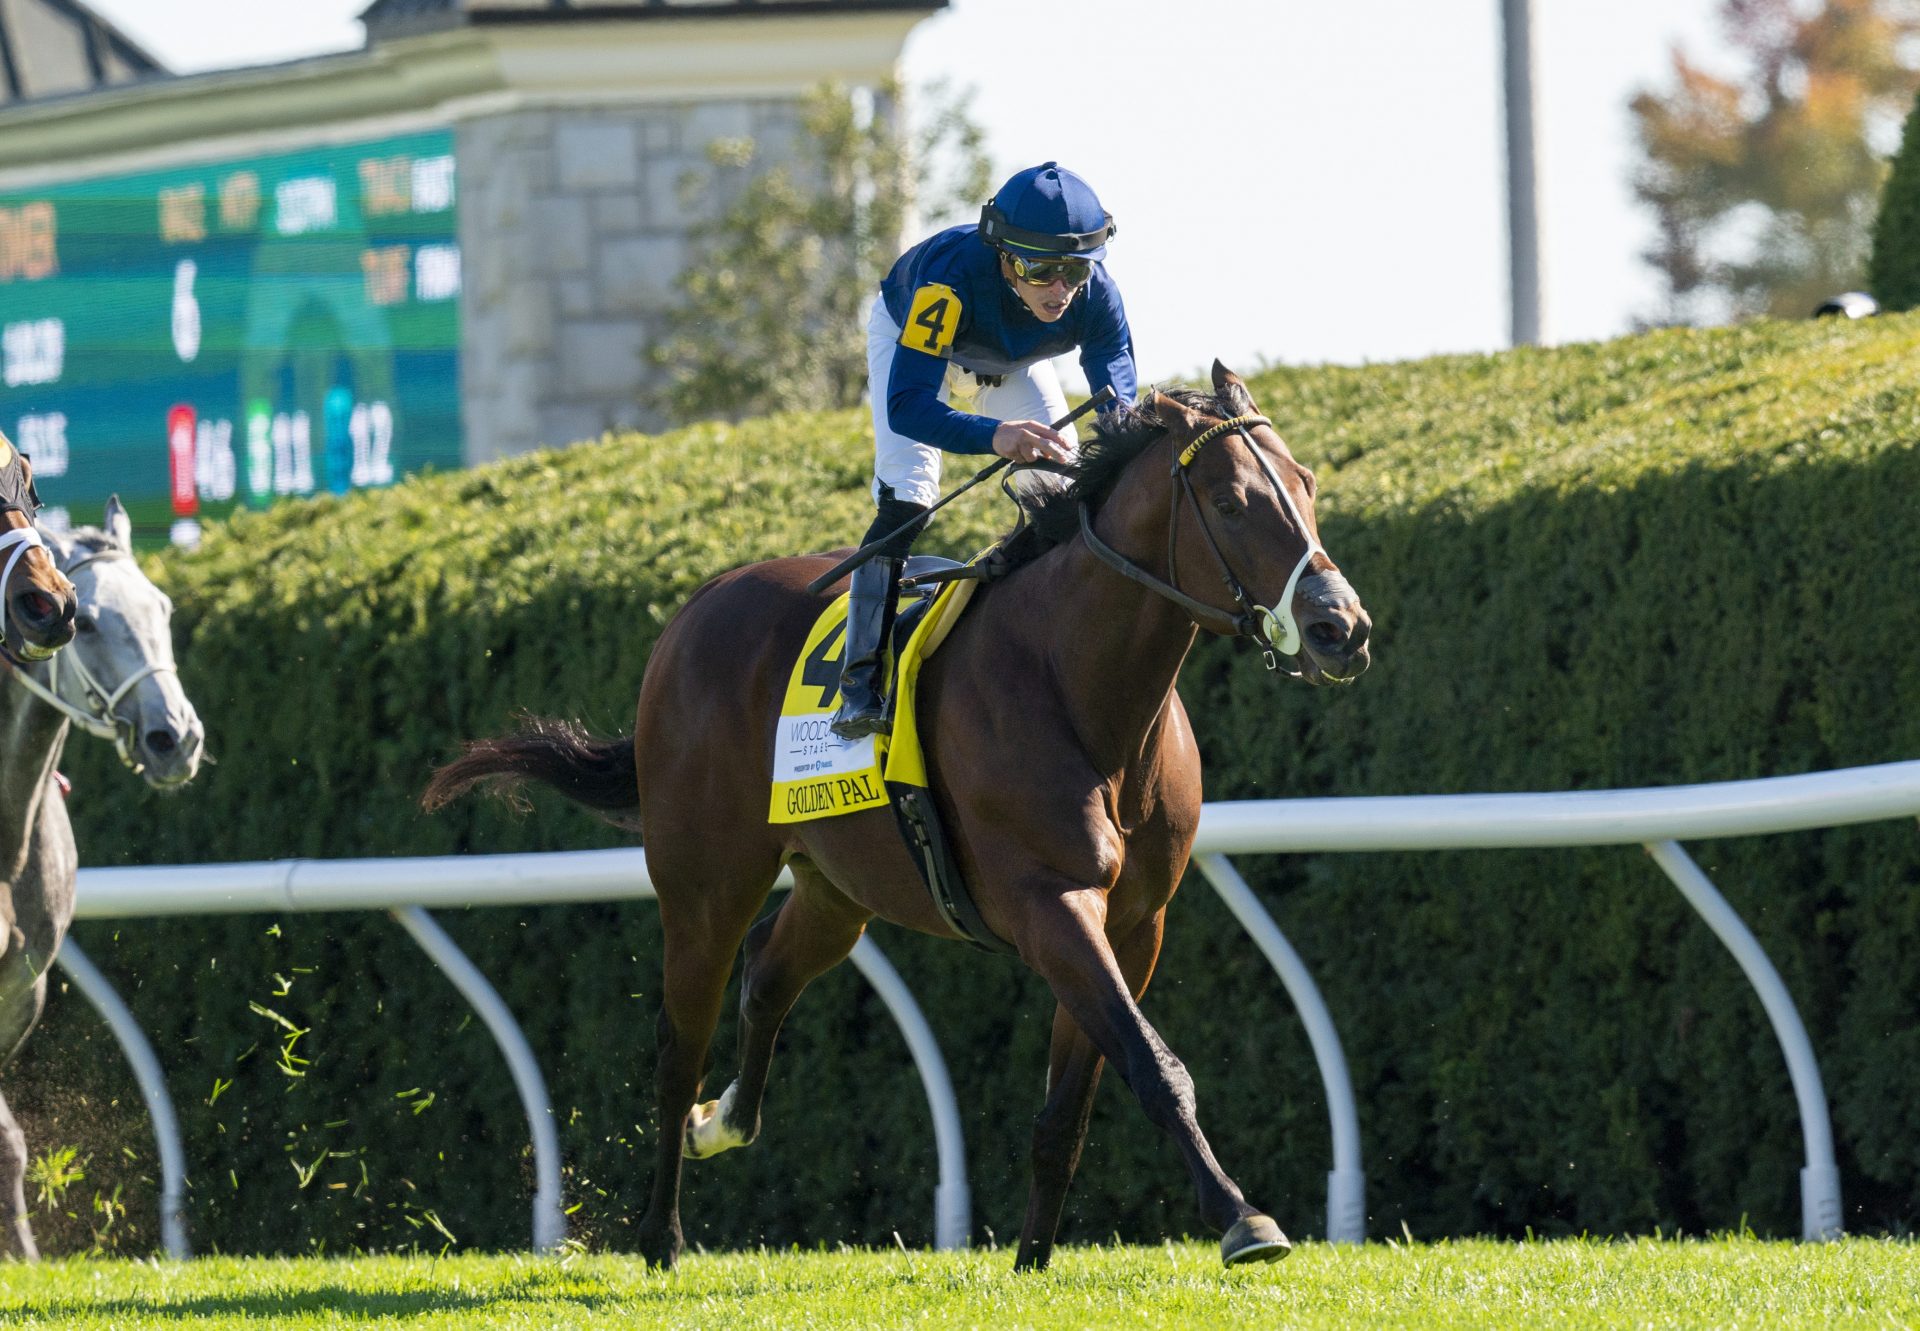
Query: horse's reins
pixel 104 722
pixel 1276 631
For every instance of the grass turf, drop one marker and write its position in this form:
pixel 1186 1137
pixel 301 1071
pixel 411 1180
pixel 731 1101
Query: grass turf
pixel 1728 1282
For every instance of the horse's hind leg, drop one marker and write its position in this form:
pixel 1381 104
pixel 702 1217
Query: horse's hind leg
pixel 16 1239
pixel 704 913
pixel 1067 946
pixel 812 932
pixel 1073 1075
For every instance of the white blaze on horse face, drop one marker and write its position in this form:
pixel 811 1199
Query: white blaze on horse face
pixel 1278 623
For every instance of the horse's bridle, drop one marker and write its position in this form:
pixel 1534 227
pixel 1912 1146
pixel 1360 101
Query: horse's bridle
pixel 98 718
pixel 1275 630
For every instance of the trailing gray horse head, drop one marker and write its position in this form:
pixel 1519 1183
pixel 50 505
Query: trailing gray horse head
pixel 118 680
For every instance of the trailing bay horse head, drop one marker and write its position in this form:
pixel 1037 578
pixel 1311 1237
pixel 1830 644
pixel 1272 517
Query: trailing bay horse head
pixel 36 600
pixel 118 680
pixel 1059 756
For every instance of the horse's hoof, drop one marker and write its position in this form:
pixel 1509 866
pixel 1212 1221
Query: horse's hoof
pixel 661 1257
pixel 1031 1261
pixel 659 1249
pixel 708 1133
pixel 1254 1238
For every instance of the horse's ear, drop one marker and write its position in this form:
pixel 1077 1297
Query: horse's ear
pixel 119 525
pixel 1231 387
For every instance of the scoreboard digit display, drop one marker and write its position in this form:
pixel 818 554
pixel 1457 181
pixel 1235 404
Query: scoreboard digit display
pixel 219 336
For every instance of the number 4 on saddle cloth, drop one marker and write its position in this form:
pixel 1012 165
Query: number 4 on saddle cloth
pixel 816 774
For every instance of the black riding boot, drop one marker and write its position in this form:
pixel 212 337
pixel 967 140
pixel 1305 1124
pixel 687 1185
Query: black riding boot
pixel 863 706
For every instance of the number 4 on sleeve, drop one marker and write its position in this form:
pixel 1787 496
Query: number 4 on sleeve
pixel 932 320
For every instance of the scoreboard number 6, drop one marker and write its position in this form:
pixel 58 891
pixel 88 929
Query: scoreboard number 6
pixel 932 320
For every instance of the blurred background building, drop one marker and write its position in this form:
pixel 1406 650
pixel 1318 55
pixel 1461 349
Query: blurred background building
pixel 453 244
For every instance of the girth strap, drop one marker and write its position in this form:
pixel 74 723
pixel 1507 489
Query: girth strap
pixel 926 839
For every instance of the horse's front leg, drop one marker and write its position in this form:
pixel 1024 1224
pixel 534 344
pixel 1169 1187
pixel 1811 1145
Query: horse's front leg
pixel 1064 940
pixel 23 993
pixel 1073 1075
pixel 16 1237
pixel 1059 1133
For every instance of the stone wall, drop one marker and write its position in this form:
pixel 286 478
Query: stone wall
pixel 574 224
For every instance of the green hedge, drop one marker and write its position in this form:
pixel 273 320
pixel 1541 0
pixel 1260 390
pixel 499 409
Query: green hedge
pixel 1893 269
pixel 1684 556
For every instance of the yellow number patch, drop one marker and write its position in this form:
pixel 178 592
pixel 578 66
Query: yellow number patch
pixel 932 321
pixel 6 451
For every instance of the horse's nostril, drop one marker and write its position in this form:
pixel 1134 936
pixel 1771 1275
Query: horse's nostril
pixel 160 742
pixel 35 607
pixel 1327 635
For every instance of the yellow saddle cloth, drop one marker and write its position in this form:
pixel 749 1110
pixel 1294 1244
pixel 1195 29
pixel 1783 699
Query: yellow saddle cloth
pixel 816 774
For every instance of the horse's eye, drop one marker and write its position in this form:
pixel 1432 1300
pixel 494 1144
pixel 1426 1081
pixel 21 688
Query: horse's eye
pixel 1226 506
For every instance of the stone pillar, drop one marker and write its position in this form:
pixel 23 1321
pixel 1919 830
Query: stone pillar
pixel 575 223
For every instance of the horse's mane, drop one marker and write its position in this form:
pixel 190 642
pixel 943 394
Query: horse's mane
pixel 77 543
pixel 90 539
pixel 1117 438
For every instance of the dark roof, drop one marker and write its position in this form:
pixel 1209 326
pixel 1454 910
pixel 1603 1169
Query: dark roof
pixel 51 47
pixel 391 18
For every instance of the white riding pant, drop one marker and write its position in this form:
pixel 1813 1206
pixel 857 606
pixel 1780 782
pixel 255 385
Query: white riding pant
pixel 911 468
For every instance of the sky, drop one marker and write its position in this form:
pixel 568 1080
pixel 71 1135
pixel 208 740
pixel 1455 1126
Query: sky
pixel 1294 181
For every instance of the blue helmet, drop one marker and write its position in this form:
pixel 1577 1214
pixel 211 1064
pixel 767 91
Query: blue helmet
pixel 1047 210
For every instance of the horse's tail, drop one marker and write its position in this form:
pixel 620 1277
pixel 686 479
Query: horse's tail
pixel 600 774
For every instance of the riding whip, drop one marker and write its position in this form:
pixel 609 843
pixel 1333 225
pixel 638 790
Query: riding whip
pixel 873 547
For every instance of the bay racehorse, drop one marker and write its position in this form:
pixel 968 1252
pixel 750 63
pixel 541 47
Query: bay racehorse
pixel 1061 756
pixel 117 680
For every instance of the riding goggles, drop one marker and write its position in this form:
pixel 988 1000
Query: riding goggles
pixel 1044 272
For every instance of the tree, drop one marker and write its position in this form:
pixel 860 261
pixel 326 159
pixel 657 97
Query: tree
pixel 774 302
pixel 1895 268
pixel 1764 186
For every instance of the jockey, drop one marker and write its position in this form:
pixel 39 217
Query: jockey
pixel 976 312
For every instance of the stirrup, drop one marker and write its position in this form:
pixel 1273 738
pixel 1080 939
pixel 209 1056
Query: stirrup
pixel 860 724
